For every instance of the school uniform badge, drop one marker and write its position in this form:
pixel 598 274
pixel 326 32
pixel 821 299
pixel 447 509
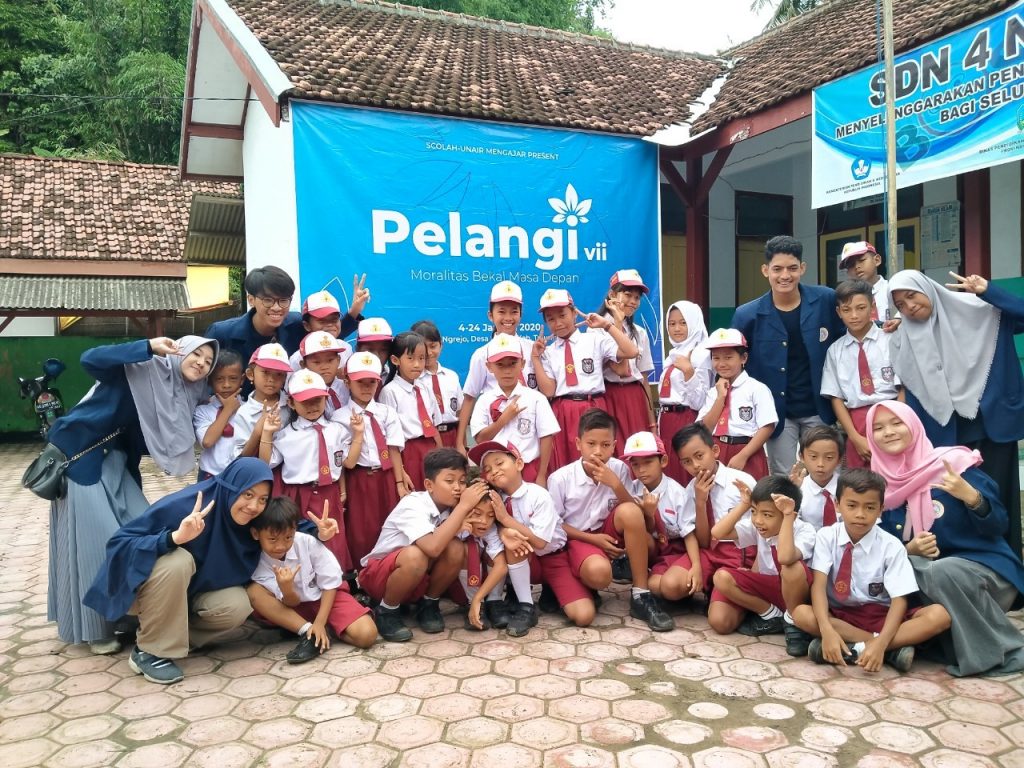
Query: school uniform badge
pixel 339 457
pixel 888 374
pixel 822 334
pixel 523 425
pixel 531 381
pixel 612 503
pixel 588 365
pixel 746 412
pixel 454 404
pixel 876 588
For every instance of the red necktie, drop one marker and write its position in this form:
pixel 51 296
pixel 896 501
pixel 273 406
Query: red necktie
pixel 660 534
pixel 382 445
pixel 722 427
pixel 828 515
pixel 323 477
pixel 867 386
pixel 228 430
pixel 666 383
pixel 435 381
pixel 711 519
pixel 335 400
pixel 571 380
pixel 508 506
pixel 473 570
pixel 496 407
pixel 842 584
pixel 429 430
pixel 775 559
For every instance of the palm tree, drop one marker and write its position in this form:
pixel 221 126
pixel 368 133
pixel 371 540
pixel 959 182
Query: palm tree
pixel 784 9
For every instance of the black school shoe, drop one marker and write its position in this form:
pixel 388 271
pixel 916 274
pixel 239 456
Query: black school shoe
pixel 390 625
pixel 900 659
pixel 547 602
pixel 522 620
pixel 797 641
pixel 305 651
pixel 622 572
pixel 817 655
pixel 497 613
pixel 754 626
pixel 428 616
pixel 646 608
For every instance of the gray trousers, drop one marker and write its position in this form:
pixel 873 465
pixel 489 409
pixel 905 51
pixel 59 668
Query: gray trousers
pixel 782 450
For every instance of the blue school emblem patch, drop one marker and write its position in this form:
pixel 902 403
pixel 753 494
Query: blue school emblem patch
pixel 588 365
pixel 746 412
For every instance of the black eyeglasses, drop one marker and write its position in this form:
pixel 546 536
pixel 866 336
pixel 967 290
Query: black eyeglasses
pixel 270 301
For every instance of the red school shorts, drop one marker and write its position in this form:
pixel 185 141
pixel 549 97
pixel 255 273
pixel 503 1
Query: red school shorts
pixel 345 610
pixel 555 570
pixel 374 579
pixel 767 586
pixel 670 556
pixel 581 550
pixel 724 554
pixel 869 617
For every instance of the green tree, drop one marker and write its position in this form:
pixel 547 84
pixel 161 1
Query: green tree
pixel 784 9
pixel 570 15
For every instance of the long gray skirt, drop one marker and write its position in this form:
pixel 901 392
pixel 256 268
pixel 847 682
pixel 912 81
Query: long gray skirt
pixel 80 525
pixel 981 639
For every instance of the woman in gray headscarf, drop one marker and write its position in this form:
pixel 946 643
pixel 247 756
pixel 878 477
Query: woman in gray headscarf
pixel 142 402
pixel 954 352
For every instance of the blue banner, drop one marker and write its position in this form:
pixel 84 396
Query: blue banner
pixel 959 107
pixel 437 210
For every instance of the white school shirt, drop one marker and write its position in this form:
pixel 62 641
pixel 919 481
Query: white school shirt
pixel 318 569
pixel 295 361
pixel 245 418
pixel 881 567
pixel 369 452
pixel 692 392
pixel 533 507
pixel 724 493
pixel 479 379
pixel 451 393
pixel 841 374
pixel 415 516
pixel 590 351
pixel 640 366
pixel 751 406
pixel 490 541
pixel 747 536
pixel 296 450
pixel 812 507
pixel 880 295
pixel 401 396
pixel 341 391
pixel 675 506
pixel 215 458
pixel 581 502
pixel 535 421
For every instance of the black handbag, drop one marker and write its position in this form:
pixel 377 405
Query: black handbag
pixel 45 476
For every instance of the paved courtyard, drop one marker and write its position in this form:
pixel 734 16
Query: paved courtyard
pixel 614 694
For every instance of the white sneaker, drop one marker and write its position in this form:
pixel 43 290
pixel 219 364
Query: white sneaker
pixel 105 647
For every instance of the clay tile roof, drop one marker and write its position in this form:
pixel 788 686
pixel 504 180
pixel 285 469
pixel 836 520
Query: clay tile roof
pixel 826 43
pixel 401 57
pixel 83 209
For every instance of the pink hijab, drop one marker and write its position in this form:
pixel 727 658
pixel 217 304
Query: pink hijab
pixel 910 475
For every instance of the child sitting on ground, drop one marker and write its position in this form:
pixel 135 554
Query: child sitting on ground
pixel 480 533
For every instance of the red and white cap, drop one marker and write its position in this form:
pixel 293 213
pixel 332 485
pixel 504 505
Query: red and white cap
pixel 305 385
pixel 629 278
pixel 480 450
pixel 271 356
pixel 506 290
pixel 321 305
pixel 555 297
pixel 724 338
pixel 502 346
pixel 854 250
pixel 320 341
pixel 374 329
pixel 363 365
pixel 644 444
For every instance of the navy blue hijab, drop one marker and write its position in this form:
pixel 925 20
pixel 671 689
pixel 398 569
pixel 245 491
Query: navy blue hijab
pixel 225 552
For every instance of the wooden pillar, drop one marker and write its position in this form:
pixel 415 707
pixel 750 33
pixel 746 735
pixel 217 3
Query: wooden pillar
pixel 697 238
pixel 977 223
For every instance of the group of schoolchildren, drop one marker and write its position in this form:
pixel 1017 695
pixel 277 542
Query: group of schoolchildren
pixel 584 478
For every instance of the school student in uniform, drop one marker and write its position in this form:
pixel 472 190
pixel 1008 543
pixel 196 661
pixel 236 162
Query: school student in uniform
pixel 442 382
pixel 267 372
pixel 213 420
pixel 321 312
pixel 858 372
pixel 738 410
pixel 374 336
pixel 861 262
pixel 323 354
pixel 570 370
pixel 512 413
pixel 820 454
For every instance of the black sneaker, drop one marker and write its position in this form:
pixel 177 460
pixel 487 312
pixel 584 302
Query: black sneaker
pixel 547 602
pixel 154 668
pixel 900 659
pixel 646 608
pixel 754 626
pixel 521 621
pixel 622 573
pixel 305 651
pixel 815 653
pixel 390 625
pixel 797 641
pixel 428 616
pixel 483 620
pixel 496 612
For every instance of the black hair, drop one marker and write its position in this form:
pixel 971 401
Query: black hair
pixel 269 281
pixel 821 432
pixel 441 459
pixel 861 481
pixel 406 341
pixel 783 244
pixel 595 418
pixel 226 358
pixel 847 289
pixel 690 431
pixel 628 321
pixel 781 484
pixel 490 308
pixel 428 330
pixel 280 514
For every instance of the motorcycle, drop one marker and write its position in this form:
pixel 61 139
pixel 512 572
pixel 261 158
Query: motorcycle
pixel 46 399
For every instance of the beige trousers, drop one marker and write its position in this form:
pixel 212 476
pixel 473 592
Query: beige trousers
pixel 168 624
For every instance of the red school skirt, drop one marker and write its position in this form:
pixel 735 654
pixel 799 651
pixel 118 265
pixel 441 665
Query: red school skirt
pixel 412 459
pixel 372 494
pixel 310 497
pixel 756 466
pixel 567 410
pixel 449 432
pixel 629 406
pixel 672 419
pixel 859 417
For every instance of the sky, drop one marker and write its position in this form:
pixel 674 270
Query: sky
pixel 684 25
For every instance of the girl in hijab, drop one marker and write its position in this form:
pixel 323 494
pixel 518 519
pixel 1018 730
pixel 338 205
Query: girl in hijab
pixel 686 377
pixel 949 514
pixel 142 402
pixel 954 352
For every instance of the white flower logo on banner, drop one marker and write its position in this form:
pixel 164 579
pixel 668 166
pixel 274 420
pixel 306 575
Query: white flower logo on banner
pixel 572 210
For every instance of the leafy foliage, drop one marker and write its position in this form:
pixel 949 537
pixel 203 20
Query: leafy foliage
pixel 784 9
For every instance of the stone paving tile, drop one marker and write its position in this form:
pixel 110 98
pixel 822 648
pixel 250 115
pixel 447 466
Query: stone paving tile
pixel 613 694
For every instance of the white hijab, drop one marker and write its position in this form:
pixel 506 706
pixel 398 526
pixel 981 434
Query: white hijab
pixel 165 402
pixel 697 333
pixel 944 360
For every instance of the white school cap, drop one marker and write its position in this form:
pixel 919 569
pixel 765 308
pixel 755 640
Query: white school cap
pixel 363 365
pixel 305 385
pixel 272 357
pixel 555 297
pixel 855 250
pixel 479 451
pixel 320 341
pixel 321 304
pixel 629 278
pixel 725 337
pixel 374 329
pixel 644 444
pixel 502 346
pixel 506 290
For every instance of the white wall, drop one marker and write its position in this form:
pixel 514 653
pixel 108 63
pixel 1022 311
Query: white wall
pixel 1005 212
pixel 30 326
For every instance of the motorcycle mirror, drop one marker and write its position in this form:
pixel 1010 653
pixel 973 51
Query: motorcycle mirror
pixel 53 367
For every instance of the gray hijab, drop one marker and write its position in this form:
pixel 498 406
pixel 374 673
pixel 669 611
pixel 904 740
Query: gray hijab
pixel 944 360
pixel 165 402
